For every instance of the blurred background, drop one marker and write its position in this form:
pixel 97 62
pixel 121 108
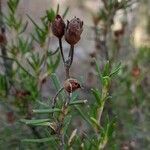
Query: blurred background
pixel 129 33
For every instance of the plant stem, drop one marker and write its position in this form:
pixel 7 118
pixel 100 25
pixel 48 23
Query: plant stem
pixel 68 63
pixel 62 117
pixel 62 142
pixel 55 98
pixel 67 72
pixel 61 50
pixel 100 111
pixel 105 92
pixel 71 54
pixel 53 53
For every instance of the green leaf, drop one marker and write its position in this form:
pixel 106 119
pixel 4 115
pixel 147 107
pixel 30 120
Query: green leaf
pixel 57 85
pixel 34 121
pixel 110 128
pixel 98 72
pixel 55 65
pixel 116 70
pixel 106 81
pixel 3 84
pixel 24 27
pixel 42 124
pixel 35 38
pixel 42 104
pixel 74 96
pixel 97 95
pixel 32 64
pixel 106 69
pixel 13 4
pixel 56 81
pixel 78 102
pixel 95 122
pixel 57 10
pixel 50 53
pixel 72 137
pixel 43 111
pixel 24 45
pixel 36 25
pixel 43 140
pixel 51 15
pixel 66 124
pixel 65 13
pixel 83 115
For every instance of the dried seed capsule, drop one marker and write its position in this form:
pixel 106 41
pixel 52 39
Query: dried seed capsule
pixel 70 85
pixel 73 31
pixel 136 71
pixel 58 27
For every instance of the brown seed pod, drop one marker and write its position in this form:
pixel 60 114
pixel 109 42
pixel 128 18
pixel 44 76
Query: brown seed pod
pixel 73 31
pixel 136 72
pixel 70 85
pixel 58 27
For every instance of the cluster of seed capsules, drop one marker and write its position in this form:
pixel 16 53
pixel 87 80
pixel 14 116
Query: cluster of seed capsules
pixel 72 34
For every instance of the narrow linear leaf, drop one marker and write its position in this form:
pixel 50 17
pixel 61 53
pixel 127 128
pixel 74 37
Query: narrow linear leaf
pixel 95 122
pixel 97 95
pixel 42 124
pixel 106 69
pixel 57 10
pixel 116 70
pixel 65 13
pixel 43 111
pixel 34 23
pixel 83 115
pixel 23 28
pixel 39 140
pixel 56 82
pixel 67 123
pixel 74 97
pixel 72 137
pixel 55 65
pixel 51 15
pixel 98 72
pixel 57 85
pixel 42 104
pixel 78 102
pixel 53 53
pixel 34 121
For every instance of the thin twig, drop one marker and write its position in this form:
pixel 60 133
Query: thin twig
pixel 61 50
pixel 63 115
pixel 62 137
pixel 55 98
pixel 100 111
pixel 69 99
pixel 53 53
pixel 67 72
pixel 71 54
pixel 68 63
